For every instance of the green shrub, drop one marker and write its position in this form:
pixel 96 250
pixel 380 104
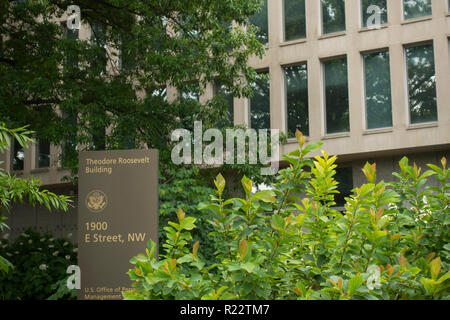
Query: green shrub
pixel 40 263
pixel 391 242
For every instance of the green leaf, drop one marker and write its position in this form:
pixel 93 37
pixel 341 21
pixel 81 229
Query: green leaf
pixel 311 147
pixel 265 195
pixel 249 267
pixel 243 248
pixel 355 283
pixel 188 223
pixel 247 184
pixel 5 265
pixel 277 222
pixel 220 183
pixel 435 268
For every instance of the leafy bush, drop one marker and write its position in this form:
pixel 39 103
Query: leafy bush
pixel 40 263
pixel 185 189
pixel 391 242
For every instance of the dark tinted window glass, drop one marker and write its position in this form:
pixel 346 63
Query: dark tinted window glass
pixel 378 90
pixel 260 103
pixel 345 178
pixel 421 84
pixel 380 7
pixel 220 89
pixel 261 21
pixel 416 8
pixel 336 96
pixel 71 56
pixel 296 82
pixel 69 148
pixel 98 36
pixel 294 19
pixel 18 156
pixel 43 154
pixel 333 16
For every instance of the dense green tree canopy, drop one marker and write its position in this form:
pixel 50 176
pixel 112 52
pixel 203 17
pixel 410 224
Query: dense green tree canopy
pixel 69 90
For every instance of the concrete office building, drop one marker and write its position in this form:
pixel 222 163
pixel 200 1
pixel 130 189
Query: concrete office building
pixel 368 78
pixel 369 93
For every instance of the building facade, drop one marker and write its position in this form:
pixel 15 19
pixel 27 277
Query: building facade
pixel 368 78
pixel 370 90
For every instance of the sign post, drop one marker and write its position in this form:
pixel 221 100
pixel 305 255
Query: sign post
pixel 117 216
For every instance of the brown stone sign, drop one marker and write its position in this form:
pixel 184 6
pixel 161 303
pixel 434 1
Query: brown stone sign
pixel 117 216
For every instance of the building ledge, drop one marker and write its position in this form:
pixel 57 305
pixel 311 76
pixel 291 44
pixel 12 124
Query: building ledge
pixel 422 125
pixel 379 130
pixel 335 136
pixel 40 170
pixel 17 172
pixel 365 29
pixel 333 35
pixel 414 20
pixel 293 42
pixel 62 169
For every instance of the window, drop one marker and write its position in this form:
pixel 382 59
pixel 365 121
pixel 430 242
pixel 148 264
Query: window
pixel 190 95
pixel 158 93
pixel 371 8
pixel 220 89
pixel 98 36
pixel 98 132
pixel 42 154
pixel 71 57
pixel 18 156
pixel 294 19
pixel 344 175
pixel 421 83
pixel 333 16
pixel 260 20
pixel 336 96
pixel 127 54
pixel 69 147
pixel 377 90
pixel 416 8
pixel 127 142
pixel 260 102
pixel 296 84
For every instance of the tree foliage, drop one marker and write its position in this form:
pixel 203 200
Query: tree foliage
pixel 60 86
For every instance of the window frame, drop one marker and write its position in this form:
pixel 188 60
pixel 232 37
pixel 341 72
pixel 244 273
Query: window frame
pixel 267 13
pixel 215 91
pixel 249 102
pixel 285 102
pixel 321 28
pixel 37 153
pixel 342 166
pixel 324 98
pixel 364 100
pixel 403 19
pixel 13 155
pixel 284 23
pixel 361 22
pixel 406 87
